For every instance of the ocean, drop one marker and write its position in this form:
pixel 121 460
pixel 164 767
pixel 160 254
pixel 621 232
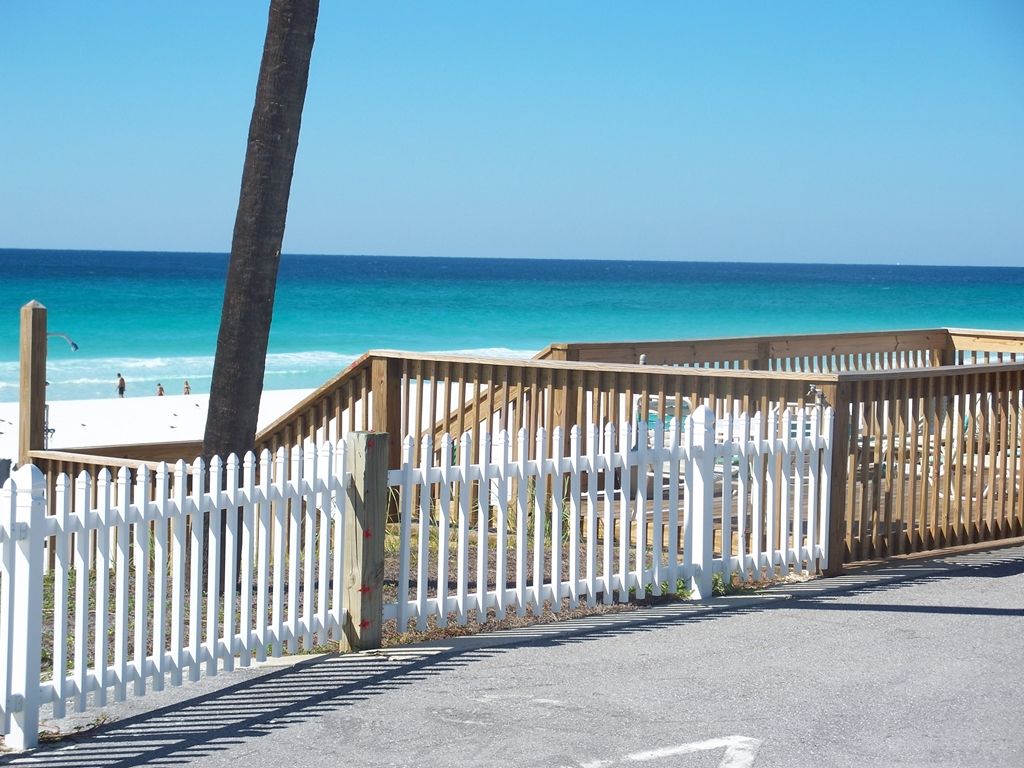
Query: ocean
pixel 153 317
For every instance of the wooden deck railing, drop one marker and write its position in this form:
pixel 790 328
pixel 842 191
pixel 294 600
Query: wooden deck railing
pixel 928 423
pixel 915 472
pixel 933 458
pixel 406 393
pixel 343 404
pixel 816 353
pixel 974 346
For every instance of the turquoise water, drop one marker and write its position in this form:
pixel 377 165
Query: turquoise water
pixel 154 316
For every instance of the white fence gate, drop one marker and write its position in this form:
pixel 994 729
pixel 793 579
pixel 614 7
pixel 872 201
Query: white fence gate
pixel 637 515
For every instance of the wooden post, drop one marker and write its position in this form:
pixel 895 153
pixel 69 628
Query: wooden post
pixel 561 352
pixel 32 396
pixel 386 383
pixel 386 386
pixel 365 524
pixel 564 397
pixel 947 353
pixel 838 396
pixel 763 356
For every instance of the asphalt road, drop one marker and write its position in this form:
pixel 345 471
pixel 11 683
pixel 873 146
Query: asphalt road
pixel 914 665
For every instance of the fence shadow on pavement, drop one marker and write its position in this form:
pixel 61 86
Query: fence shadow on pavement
pixel 266 702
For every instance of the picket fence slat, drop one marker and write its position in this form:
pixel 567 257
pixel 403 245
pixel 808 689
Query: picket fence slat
pixel 609 514
pixel 575 493
pixel 539 514
pixel 160 561
pixel 308 552
pixel 671 477
pixel 228 565
pixel 521 529
pixel 60 599
pixel 8 505
pixel 82 494
pixel 728 452
pixel 483 514
pixel 465 511
pixel 624 508
pixel 277 563
pixel 591 531
pixel 244 647
pixel 292 488
pixel 196 544
pixel 215 539
pixel 501 528
pixel 444 552
pixel 102 595
pixel 146 485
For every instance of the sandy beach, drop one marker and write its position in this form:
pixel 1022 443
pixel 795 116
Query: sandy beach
pixel 86 423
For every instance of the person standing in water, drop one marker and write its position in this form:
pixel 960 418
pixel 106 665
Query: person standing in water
pixel 120 385
pixel 187 389
pixel 159 390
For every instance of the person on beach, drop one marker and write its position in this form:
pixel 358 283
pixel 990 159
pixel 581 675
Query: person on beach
pixel 120 385
pixel 159 390
pixel 187 389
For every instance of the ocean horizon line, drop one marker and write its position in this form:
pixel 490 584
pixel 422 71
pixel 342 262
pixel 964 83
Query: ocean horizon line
pixel 910 264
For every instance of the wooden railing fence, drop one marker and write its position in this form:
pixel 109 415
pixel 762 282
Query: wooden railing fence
pixel 408 393
pixel 933 458
pixel 812 353
pixel 928 422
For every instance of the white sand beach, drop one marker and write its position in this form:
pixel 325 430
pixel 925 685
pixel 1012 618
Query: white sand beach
pixel 87 423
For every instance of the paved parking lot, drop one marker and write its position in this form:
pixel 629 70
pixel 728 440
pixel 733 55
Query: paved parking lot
pixel 917 664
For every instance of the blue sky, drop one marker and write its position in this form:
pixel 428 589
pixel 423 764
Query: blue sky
pixel 869 132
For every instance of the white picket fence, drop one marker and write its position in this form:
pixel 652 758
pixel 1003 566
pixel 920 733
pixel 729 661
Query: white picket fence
pixel 133 600
pixel 136 551
pixel 634 515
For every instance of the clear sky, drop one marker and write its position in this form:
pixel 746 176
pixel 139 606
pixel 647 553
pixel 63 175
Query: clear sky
pixel 782 131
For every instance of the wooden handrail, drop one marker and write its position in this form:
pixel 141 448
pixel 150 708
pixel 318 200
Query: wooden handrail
pixel 315 397
pixel 414 393
pixel 974 340
pixel 43 458
pixel 936 372
pixel 591 366
pixel 766 352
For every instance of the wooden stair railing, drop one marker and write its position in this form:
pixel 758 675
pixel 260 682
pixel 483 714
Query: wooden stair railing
pixel 815 353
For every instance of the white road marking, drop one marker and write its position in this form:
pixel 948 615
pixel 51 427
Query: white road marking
pixel 740 751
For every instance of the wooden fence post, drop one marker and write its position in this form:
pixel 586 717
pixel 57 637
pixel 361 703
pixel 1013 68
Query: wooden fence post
pixel 32 395
pixel 25 616
pixel 701 520
pixel 838 396
pixel 365 524
pixel 386 385
pixel 946 353
pixel 764 356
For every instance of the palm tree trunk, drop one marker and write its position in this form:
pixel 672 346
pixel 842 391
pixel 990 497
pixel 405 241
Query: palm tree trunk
pixel 259 229
pixel 256 243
